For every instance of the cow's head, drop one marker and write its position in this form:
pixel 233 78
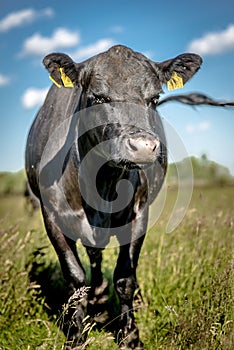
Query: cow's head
pixel 123 88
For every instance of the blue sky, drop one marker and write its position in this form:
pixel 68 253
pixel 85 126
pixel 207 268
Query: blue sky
pixel 31 29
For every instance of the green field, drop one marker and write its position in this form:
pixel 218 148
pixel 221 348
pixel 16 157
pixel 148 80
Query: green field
pixel 186 278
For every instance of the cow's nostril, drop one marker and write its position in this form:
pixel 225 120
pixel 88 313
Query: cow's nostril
pixel 156 146
pixel 132 146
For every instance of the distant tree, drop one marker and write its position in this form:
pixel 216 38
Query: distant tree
pixel 204 158
pixel 205 172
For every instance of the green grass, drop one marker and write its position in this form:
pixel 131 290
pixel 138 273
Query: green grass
pixel 12 183
pixel 186 278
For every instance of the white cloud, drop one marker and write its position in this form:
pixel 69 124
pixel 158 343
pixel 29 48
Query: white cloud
pixel 203 126
pixel 39 45
pixel 19 18
pixel 214 43
pixel 91 50
pixel 4 80
pixel 33 97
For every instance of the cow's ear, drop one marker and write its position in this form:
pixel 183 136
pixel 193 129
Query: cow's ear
pixel 62 69
pixel 177 71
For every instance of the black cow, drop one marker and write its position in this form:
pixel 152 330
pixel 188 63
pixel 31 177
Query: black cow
pixel 96 158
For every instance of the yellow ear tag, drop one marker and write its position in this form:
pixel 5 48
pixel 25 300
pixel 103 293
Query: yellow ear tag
pixel 55 82
pixel 175 82
pixel 65 79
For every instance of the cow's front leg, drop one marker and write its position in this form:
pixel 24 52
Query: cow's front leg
pixel 126 284
pixel 74 275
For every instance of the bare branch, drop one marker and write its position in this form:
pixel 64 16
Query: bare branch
pixel 195 99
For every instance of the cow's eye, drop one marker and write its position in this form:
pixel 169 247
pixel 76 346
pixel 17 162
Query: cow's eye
pixel 99 99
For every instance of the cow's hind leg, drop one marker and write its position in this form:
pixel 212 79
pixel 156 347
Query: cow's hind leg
pixel 74 275
pixel 98 294
pixel 126 284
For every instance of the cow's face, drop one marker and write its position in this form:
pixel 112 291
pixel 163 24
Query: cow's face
pixel 120 91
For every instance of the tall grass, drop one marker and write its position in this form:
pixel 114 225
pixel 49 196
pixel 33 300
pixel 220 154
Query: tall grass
pixel 188 288
pixel 186 279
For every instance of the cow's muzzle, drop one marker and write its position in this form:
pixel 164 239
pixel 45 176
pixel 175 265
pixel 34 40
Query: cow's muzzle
pixel 142 149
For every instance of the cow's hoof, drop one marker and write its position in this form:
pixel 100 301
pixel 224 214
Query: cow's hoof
pixel 139 346
pixel 79 346
pixel 130 341
pixel 73 343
